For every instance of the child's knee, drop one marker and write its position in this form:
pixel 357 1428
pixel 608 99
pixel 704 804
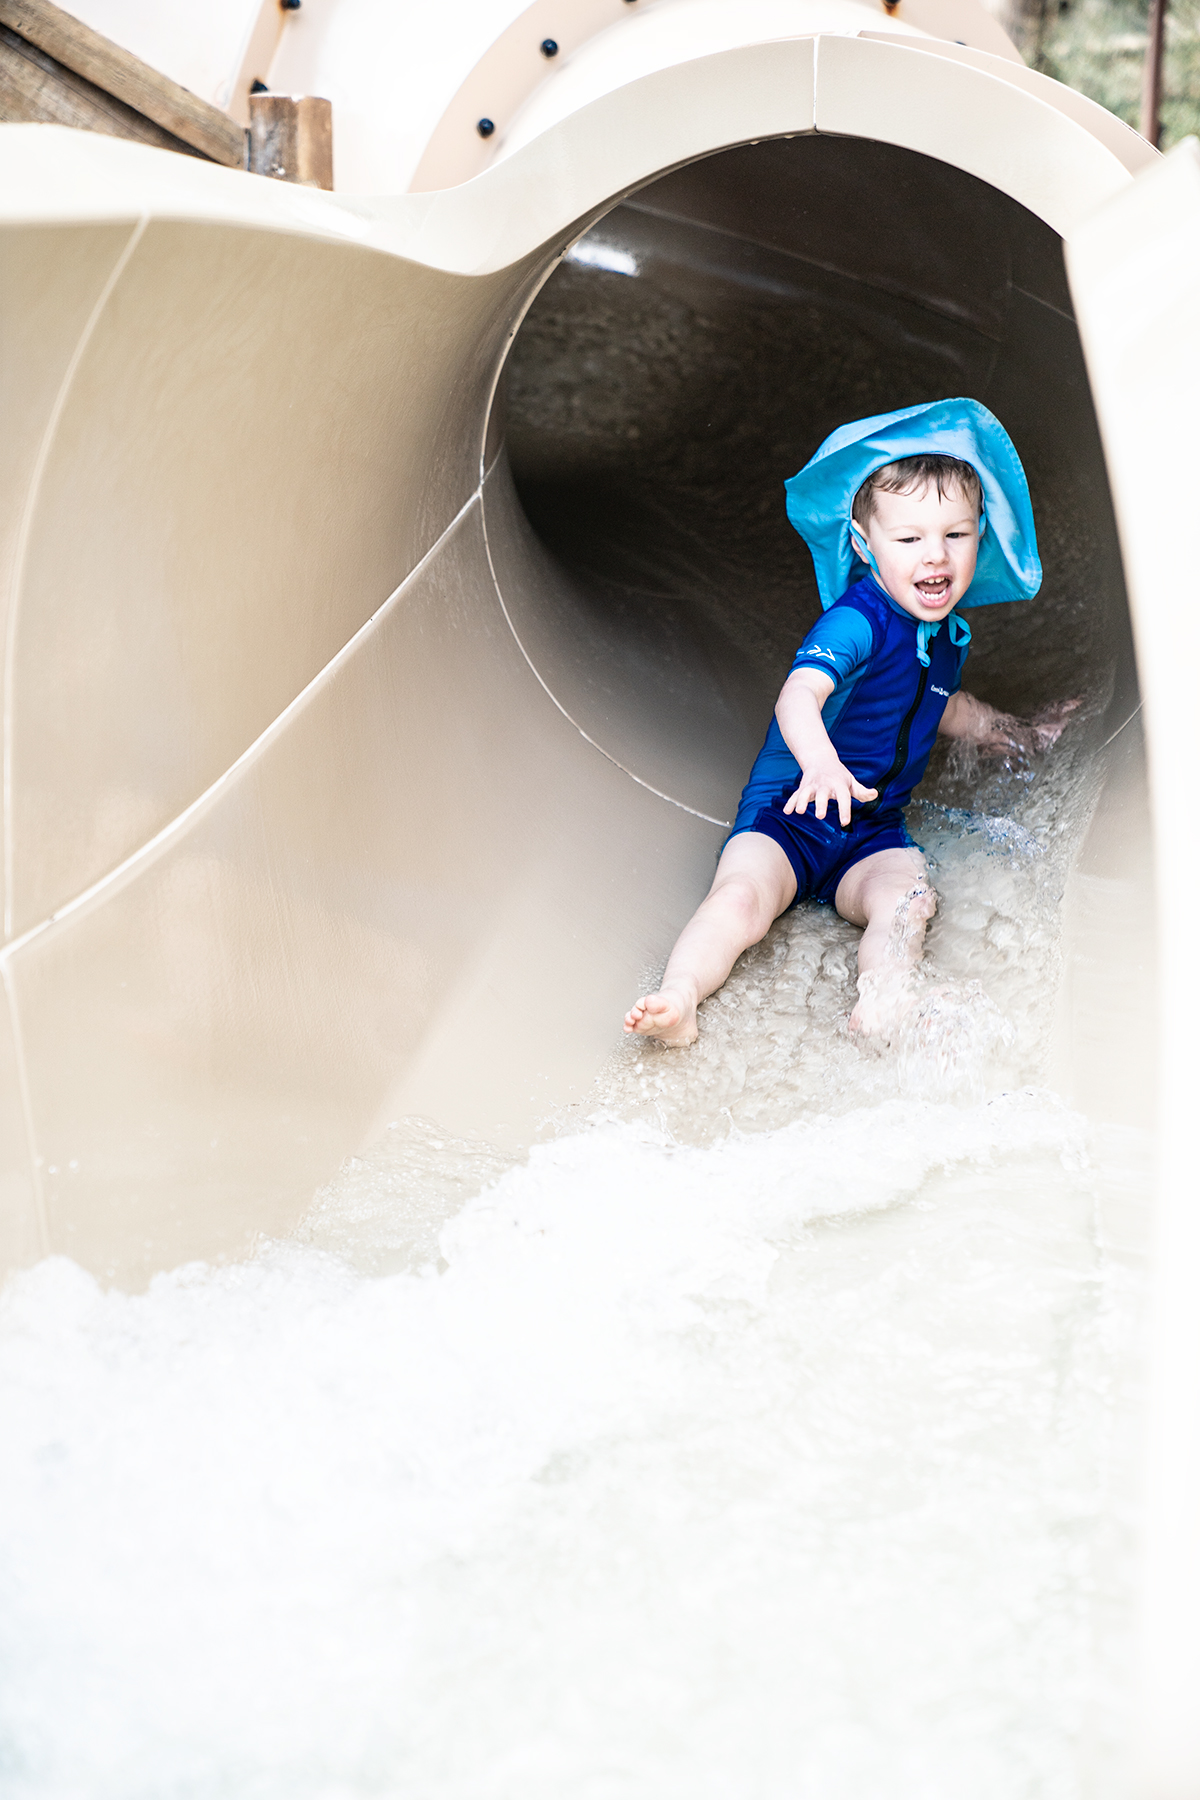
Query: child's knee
pixel 744 901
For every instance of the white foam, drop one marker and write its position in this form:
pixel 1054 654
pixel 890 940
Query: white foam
pixel 762 1437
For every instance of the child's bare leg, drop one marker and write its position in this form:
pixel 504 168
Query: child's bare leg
pixel 890 896
pixel 754 883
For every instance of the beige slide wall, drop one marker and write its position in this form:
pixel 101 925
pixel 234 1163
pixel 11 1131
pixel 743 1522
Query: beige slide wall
pixel 1135 275
pixel 293 829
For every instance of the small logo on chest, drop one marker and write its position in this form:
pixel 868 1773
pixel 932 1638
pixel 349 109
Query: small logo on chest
pixel 944 692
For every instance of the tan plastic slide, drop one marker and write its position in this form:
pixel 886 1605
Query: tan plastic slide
pixel 329 796
pixel 372 717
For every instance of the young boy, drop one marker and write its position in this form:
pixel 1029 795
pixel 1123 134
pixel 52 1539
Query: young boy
pixel 933 500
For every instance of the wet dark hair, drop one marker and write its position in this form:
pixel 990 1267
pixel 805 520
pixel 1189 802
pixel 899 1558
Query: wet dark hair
pixel 947 473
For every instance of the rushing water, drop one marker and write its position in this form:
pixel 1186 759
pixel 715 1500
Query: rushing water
pixel 763 1437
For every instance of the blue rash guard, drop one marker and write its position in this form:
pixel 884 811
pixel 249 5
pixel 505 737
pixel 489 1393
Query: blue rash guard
pixel 882 718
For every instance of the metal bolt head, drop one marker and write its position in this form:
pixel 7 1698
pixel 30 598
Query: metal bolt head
pixel 548 47
pixel 485 127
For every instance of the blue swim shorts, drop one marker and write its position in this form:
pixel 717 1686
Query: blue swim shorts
pixel 821 850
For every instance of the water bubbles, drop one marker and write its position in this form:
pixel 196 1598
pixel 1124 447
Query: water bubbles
pixel 753 1436
pixel 954 1042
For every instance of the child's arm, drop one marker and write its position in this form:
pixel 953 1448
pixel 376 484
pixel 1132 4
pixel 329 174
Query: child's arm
pixel 823 776
pixel 1000 734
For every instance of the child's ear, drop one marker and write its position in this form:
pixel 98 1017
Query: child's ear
pixel 859 543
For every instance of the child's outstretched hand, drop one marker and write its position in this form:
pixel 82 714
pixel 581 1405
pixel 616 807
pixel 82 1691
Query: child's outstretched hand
pixel 828 779
pixel 1000 734
pixel 1047 725
pixel 1003 735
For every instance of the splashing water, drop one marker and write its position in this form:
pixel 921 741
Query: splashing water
pixel 762 1436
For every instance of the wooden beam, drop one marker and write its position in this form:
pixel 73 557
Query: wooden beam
pixel 113 71
pixel 36 90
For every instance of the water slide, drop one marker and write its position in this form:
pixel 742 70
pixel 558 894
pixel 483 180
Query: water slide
pixel 393 610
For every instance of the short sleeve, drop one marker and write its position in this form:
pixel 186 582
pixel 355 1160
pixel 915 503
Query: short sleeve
pixel 838 644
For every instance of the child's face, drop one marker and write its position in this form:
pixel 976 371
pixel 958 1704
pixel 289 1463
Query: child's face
pixel 925 545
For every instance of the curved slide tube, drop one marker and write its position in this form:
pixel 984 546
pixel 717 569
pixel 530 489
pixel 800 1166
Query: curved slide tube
pixel 321 803
pixel 362 751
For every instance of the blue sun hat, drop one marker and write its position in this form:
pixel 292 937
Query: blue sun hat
pixel 819 498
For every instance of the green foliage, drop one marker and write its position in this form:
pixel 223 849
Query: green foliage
pixel 1099 47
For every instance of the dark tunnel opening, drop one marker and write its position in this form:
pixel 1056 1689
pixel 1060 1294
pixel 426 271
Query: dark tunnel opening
pixel 705 336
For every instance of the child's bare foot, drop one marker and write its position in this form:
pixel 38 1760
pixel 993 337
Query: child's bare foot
pixel 886 998
pixel 669 1016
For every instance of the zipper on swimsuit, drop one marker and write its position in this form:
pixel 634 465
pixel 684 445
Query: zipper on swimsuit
pixel 901 756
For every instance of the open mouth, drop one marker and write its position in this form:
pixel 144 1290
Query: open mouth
pixel 934 590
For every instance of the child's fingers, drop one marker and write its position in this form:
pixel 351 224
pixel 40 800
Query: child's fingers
pixel 863 793
pixel 835 792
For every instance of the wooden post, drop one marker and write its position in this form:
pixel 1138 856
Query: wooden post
pixel 1151 125
pixel 291 138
